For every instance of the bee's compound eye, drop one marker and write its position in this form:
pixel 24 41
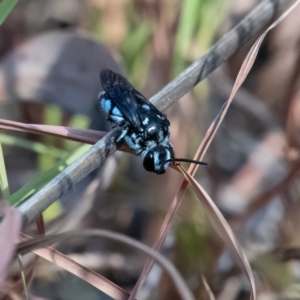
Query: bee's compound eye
pixel 149 162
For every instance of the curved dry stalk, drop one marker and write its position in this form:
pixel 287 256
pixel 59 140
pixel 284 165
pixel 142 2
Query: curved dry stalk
pixel 183 83
pixel 222 228
pixel 43 241
pixel 160 239
pixel 88 136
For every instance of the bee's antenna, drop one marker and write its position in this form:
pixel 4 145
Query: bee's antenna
pixel 187 160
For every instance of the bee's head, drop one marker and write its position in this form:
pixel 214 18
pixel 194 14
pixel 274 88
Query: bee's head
pixel 157 159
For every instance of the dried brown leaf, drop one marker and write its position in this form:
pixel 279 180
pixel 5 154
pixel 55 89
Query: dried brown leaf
pixel 8 291
pixel 9 237
pixel 88 136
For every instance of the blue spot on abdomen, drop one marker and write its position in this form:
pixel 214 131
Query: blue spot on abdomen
pixel 106 104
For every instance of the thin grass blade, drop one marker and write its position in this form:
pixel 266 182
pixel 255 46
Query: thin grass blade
pixel 39 242
pixel 3 177
pixel 41 179
pixel 222 228
pixel 165 228
pixel 88 136
pixel 36 147
pixel 6 6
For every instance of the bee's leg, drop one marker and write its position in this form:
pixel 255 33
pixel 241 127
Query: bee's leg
pixel 139 151
pixel 132 144
pixel 124 131
pixel 116 119
pixel 139 146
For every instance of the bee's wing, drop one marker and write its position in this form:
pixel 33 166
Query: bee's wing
pixel 123 95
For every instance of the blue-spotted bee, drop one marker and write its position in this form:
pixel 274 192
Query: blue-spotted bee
pixel 144 128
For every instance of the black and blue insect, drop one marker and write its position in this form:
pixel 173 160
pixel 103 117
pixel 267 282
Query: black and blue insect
pixel 144 128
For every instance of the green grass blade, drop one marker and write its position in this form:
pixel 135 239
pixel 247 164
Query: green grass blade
pixel 135 43
pixel 37 147
pixel 212 14
pixel 191 11
pixel 54 116
pixel 77 121
pixel 188 21
pixel 3 177
pixel 41 179
pixel 5 9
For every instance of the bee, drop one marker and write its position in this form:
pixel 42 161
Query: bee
pixel 144 128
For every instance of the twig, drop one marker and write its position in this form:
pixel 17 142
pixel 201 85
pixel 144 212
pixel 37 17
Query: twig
pixel 183 83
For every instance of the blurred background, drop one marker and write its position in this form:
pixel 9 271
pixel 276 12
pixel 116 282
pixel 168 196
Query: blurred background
pixel 51 54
